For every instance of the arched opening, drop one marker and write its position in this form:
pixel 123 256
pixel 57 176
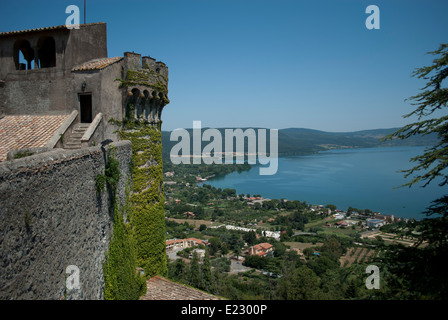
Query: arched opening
pixel 23 55
pixel 47 52
pixel 132 104
pixel 135 95
pixel 145 105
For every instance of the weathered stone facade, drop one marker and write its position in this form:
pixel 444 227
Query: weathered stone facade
pixel 52 217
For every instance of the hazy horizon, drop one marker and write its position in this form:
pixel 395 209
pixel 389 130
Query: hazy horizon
pixel 258 127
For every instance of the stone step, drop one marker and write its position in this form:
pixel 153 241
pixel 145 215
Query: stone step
pixel 74 142
pixel 82 125
pixel 79 129
pixel 69 145
pixel 77 135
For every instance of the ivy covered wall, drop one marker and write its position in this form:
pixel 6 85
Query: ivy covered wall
pixel 120 277
pixel 139 223
pixel 147 215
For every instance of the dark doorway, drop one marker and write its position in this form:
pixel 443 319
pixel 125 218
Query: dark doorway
pixel 85 102
pixel 47 53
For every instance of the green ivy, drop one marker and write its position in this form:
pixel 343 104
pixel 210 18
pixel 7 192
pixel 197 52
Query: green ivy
pixel 111 174
pixel 120 279
pixel 121 282
pixel 147 200
pixel 147 78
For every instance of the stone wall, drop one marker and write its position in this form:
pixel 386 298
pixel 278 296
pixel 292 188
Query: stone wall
pixel 52 217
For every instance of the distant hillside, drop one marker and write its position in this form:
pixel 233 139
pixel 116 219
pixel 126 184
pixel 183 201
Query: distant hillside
pixel 300 141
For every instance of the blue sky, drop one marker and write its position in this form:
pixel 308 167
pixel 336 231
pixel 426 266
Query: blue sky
pixel 264 63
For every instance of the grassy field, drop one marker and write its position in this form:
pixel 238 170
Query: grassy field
pixel 194 222
pixel 302 245
pixel 357 255
pixel 390 238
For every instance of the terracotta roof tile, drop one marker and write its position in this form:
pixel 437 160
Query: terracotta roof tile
pixel 159 288
pixel 27 131
pixel 97 64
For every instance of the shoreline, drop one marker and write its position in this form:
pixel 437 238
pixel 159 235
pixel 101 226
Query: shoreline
pixel 335 150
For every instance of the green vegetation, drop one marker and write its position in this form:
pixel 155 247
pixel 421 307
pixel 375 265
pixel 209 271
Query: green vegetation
pixel 23 154
pixel 110 176
pixel 331 261
pixel 283 275
pixel 121 281
pixel 147 199
pixel 148 78
pixel 138 239
pixel 280 275
pixel 417 272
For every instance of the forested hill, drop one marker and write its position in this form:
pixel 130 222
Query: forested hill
pixel 300 141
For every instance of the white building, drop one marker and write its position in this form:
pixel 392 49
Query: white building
pixel 375 223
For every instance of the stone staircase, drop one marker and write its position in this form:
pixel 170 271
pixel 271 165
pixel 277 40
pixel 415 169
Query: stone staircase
pixel 74 142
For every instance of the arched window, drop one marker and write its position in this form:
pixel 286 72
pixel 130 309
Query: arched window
pixel 23 55
pixel 47 52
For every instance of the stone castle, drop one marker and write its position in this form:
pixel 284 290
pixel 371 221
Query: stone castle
pixel 63 82
pixel 62 100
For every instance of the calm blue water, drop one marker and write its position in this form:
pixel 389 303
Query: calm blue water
pixel 361 178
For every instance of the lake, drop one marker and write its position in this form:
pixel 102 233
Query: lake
pixel 361 178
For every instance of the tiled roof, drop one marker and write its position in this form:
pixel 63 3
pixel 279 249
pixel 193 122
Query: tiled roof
pixel 159 288
pixel 43 29
pixel 27 131
pixel 266 245
pixel 97 64
pixel 197 241
pixel 263 246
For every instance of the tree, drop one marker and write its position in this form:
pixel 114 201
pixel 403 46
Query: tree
pixel 433 98
pixel 308 252
pixel 332 247
pixel 215 245
pixel 207 282
pixel 432 164
pixel 194 272
pixel 413 262
pixel 324 263
pixel 179 270
pixel 302 284
pixel 250 237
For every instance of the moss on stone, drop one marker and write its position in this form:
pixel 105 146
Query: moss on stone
pixel 147 78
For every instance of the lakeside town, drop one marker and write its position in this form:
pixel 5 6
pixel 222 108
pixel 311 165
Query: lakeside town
pixel 251 239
